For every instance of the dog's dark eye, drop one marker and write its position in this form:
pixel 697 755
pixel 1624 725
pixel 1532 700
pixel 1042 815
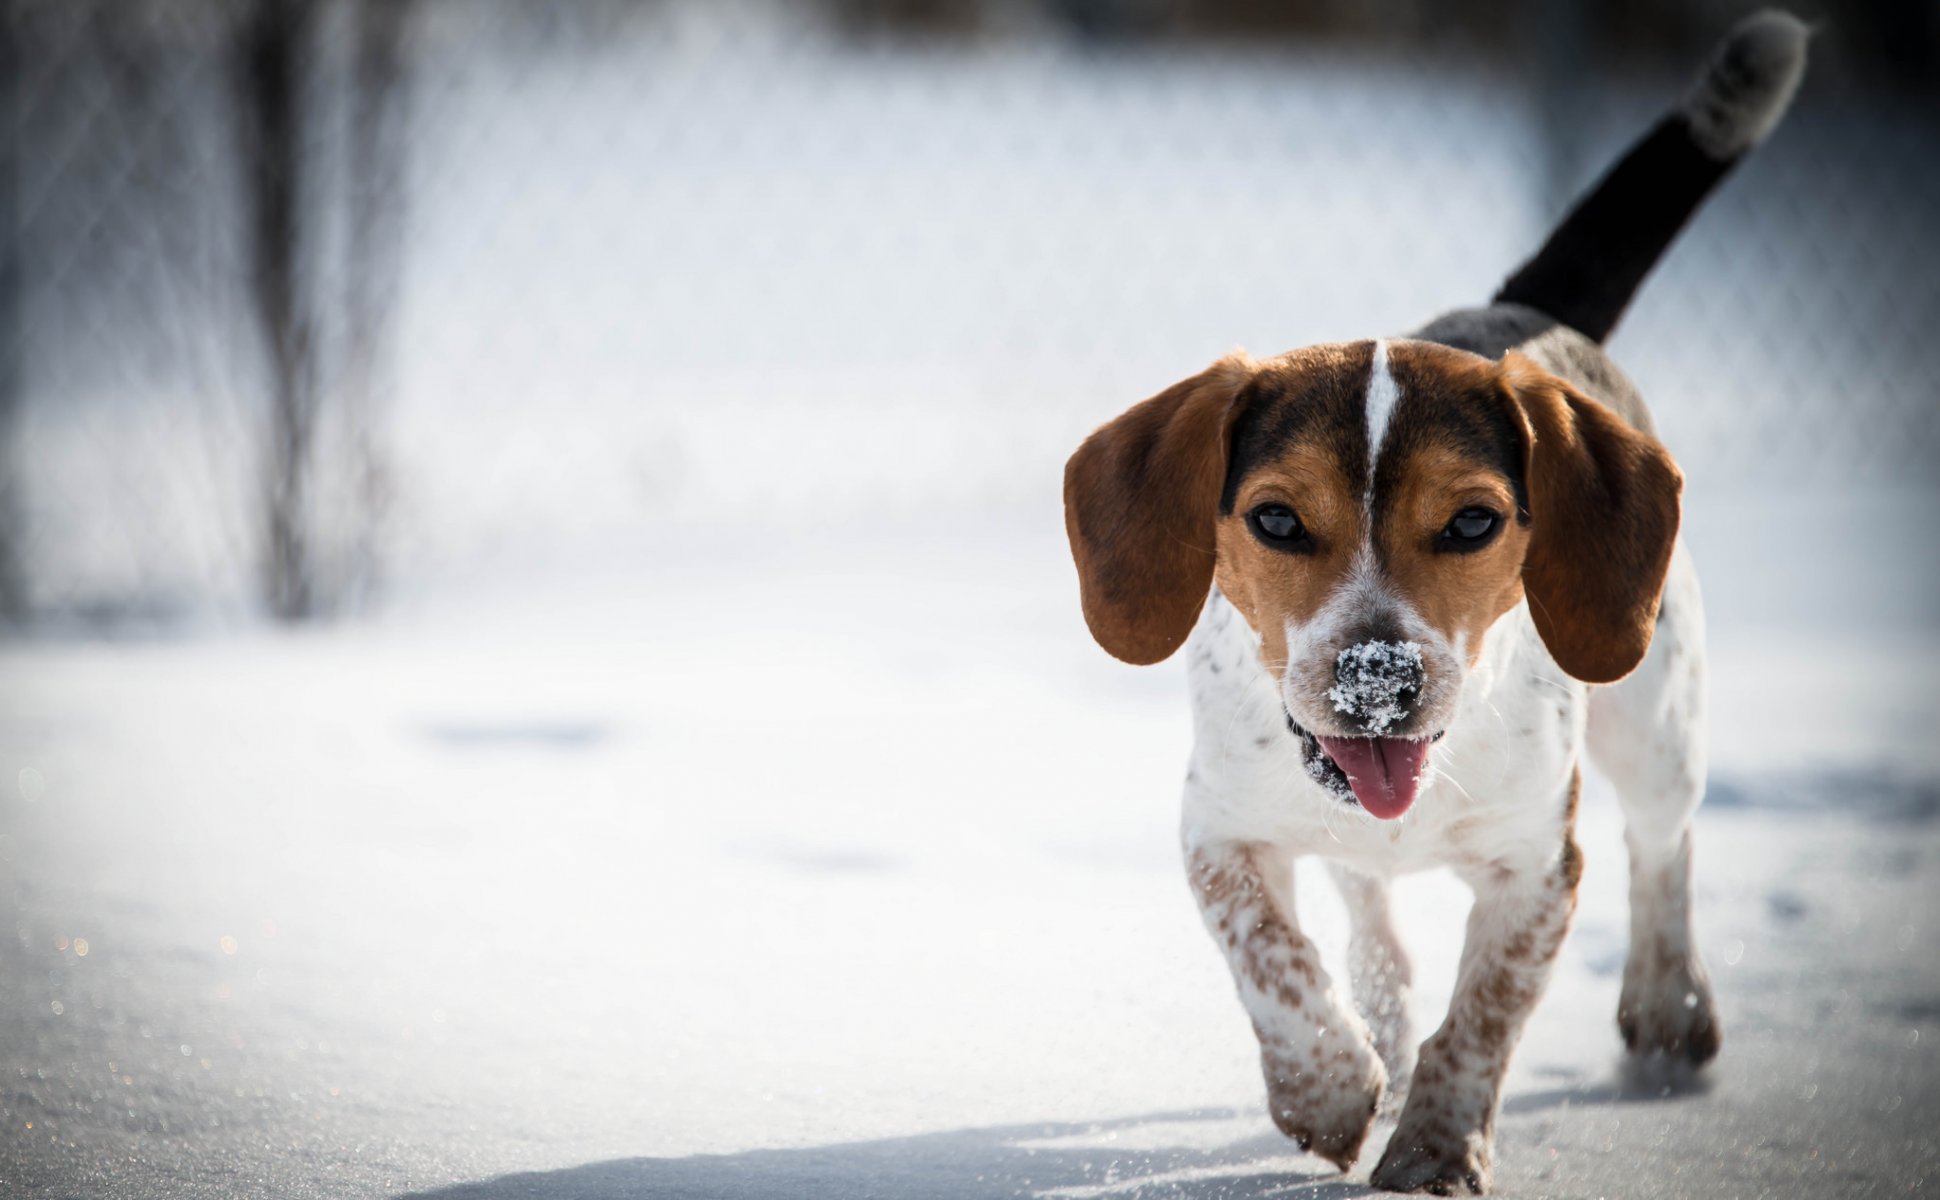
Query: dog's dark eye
pixel 1279 527
pixel 1469 529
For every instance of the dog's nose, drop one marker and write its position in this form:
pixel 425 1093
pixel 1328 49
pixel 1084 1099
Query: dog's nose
pixel 1377 684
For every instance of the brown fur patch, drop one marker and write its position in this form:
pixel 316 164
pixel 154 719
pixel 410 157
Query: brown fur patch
pixel 1450 446
pixel 1271 587
pixel 1572 856
pixel 1460 595
pixel 1140 498
pixel 1604 500
pixel 1259 940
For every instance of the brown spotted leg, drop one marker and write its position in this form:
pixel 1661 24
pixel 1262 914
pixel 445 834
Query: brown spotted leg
pixel 1323 1077
pixel 1445 1142
pixel 1383 980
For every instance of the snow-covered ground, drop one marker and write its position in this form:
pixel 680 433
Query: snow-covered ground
pixel 843 865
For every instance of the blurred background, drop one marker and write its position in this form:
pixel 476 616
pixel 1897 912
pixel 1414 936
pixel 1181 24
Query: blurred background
pixel 536 635
pixel 313 306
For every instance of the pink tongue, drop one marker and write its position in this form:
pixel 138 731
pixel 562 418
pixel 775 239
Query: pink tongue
pixel 1385 773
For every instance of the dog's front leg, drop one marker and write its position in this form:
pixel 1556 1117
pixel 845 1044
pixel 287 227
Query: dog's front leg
pixel 1382 977
pixel 1445 1142
pixel 1323 1078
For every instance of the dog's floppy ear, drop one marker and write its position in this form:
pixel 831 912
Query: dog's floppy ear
pixel 1141 498
pixel 1603 502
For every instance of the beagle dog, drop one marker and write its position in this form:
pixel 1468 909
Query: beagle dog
pixel 1416 578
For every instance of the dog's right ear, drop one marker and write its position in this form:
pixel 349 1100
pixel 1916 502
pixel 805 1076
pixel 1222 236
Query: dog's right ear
pixel 1141 499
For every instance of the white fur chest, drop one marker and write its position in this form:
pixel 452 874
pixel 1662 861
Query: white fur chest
pixel 1499 780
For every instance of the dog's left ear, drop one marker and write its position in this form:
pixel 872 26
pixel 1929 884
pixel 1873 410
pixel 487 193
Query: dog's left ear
pixel 1141 502
pixel 1603 501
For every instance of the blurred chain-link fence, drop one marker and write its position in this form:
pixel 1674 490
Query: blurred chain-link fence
pixel 551 278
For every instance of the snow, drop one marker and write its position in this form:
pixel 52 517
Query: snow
pixel 1371 679
pixel 843 866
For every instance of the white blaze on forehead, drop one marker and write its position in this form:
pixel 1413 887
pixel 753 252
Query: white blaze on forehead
pixel 1382 393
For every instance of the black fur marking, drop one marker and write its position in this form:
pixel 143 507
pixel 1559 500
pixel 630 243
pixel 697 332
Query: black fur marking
pixel 1280 408
pixel 1478 424
pixel 1591 266
pixel 1320 768
pixel 1490 332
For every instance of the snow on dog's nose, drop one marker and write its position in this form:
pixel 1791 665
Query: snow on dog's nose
pixel 1377 687
pixel 1377 684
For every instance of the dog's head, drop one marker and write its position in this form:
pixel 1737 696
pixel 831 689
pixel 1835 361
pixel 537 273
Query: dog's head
pixel 1372 509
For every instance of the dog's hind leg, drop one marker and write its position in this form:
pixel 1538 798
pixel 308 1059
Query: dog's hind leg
pixel 1383 980
pixel 1646 733
pixel 1323 1078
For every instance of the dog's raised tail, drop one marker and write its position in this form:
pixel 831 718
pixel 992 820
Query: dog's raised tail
pixel 1593 263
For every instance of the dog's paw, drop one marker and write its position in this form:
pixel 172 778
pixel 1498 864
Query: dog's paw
pixel 1666 1009
pixel 1428 1156
pixel 1324 1096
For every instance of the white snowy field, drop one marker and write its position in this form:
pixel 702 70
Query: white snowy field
pixel 838 862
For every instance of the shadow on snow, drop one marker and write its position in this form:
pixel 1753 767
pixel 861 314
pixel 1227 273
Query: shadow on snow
pixel 1067 1161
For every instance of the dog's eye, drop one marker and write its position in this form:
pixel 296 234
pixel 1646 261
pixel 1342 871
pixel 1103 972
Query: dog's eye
pixel 1469 529
pixel 1279 527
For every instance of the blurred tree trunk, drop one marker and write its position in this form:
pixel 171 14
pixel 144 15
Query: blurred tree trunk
pixel 13 551
pixel 379 120
pixel 325 480
pixel 273 121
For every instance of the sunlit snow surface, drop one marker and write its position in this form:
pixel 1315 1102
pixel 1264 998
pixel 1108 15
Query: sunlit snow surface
pixel 844 865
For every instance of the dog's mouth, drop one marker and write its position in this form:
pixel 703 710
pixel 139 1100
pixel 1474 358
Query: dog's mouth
pixel 1381 774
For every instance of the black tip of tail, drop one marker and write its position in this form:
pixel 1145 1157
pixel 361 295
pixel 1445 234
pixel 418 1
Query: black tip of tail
pixel 1594 262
